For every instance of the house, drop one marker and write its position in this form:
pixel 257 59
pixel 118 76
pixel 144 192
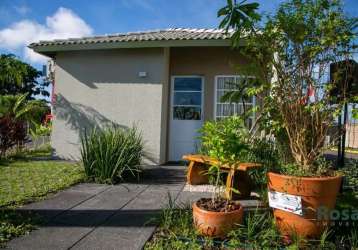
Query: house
pixel 166 82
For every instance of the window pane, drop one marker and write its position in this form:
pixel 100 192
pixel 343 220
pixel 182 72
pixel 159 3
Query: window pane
pixel 187 84
pixel 187 113
pixel 187 98
pixel 228 82
pixel 225 109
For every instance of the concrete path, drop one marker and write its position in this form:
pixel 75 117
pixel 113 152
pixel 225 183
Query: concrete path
pixel 94 216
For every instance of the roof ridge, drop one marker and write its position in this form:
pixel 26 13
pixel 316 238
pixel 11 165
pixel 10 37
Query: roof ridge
pixel 155 34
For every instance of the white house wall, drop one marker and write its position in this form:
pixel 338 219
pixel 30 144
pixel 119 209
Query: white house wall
pixel 94 88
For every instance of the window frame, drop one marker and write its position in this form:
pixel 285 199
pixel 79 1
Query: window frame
pixel 172 96
pixel 253 103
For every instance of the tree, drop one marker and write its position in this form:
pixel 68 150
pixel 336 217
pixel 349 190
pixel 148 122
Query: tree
pixel 290 56
pixel 17 77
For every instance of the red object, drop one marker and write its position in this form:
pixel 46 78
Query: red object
pixel 48 118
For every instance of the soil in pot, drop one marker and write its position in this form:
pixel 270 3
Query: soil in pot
pixel 218 218
pixel 315 192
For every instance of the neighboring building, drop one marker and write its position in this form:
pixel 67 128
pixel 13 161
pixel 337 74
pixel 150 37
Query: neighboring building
pixel 167 82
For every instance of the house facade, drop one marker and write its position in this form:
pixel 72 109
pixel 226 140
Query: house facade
pixel 166 82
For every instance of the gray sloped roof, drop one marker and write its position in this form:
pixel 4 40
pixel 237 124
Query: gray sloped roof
pixel 154 35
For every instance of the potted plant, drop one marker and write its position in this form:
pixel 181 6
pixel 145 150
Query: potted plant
pixel 216 216
pixel 225 140
pixel 290 56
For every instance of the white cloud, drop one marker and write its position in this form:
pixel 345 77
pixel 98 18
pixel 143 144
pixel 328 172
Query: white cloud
pixel 64 23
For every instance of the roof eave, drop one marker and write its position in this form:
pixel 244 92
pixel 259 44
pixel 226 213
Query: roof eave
pixel 50 49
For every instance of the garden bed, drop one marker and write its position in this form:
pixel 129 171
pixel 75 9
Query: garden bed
pixel 176 231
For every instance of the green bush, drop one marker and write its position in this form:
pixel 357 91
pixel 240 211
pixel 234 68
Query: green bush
pixel 226 140
pixel 111 154
pixel 230 141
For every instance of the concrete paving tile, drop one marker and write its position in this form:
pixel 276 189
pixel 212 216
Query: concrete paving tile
pixel 95 216
pixel 119 238
pixel 97 209
pixel 57 204
pixel 49 237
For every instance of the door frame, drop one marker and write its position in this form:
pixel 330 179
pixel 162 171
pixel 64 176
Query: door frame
pixel 171 104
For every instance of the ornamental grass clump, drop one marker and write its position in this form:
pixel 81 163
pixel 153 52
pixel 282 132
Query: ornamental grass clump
pixel 111 154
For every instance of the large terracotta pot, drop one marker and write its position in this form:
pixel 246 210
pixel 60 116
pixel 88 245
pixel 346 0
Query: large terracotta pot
pixel 216 224
pixel 315 193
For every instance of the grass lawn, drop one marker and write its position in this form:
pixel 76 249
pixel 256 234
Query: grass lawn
pixel 23 180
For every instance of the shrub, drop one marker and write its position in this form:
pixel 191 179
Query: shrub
pixel 17 114
pixel 230 141
pixel 226 140
pixel 111 154
pixel 12 133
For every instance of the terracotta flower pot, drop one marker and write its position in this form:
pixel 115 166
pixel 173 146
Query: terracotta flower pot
pixel 216 224
pixel 315 192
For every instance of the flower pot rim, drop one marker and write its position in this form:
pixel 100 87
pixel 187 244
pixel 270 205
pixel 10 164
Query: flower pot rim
pixel 308 178
pixel 216 213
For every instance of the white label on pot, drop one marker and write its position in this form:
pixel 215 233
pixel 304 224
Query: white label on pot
pixel 286 202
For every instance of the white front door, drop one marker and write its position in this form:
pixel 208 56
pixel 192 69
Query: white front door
pixel 186 115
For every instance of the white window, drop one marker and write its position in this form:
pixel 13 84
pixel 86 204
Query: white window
pixel 187 98
pixel 223 85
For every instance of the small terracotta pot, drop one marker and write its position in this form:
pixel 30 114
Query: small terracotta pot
pixel 315 193
pixel 216 224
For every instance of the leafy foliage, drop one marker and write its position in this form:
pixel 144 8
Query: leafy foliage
pixel 258 231
pixel 239 16
pixel 225 140
pixel 350 172
pixel 14 224
pixel 111 154
pixel 230 141
pixel 290 58
pixel 12 133
pixel 17 77
pixel 17 114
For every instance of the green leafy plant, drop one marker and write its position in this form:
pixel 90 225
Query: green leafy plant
pixel 111 154
pixel 225 140
pixel 350 172
pixel 258 231
pixel 290 56
pixel 230 141
pixel 17 77
pixel 14 224
pixel 16 115
pixel 41 130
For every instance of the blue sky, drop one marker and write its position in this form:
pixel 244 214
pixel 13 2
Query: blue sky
pixel 21 19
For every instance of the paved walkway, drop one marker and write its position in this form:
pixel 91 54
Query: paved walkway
pixel 94 216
